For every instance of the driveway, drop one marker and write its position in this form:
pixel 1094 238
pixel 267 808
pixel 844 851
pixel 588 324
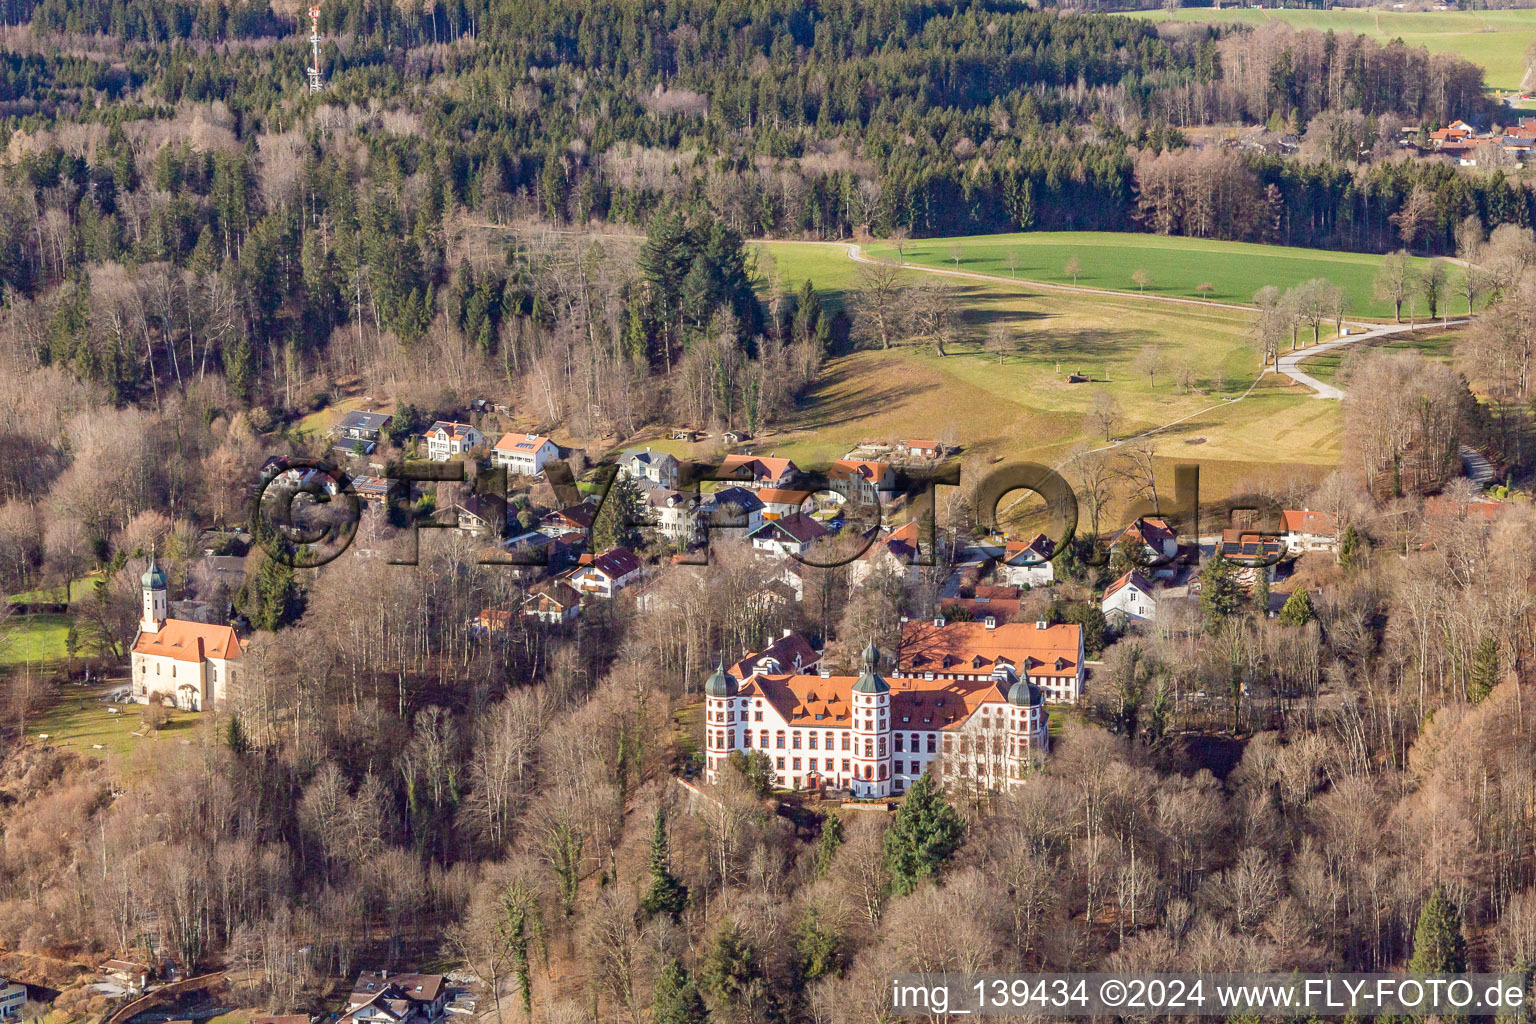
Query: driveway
pixel 1290 363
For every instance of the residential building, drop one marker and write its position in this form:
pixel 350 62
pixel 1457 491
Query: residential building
pixel 483 513
pixel 524 454
pixel 13 996
pixel 366 427
pixel 1050 657
pixel 731 508
pixel 779 502
pixel 1001 603
pixel 1306 530
pixel 445 440
pixel 1130 597
pixel 896 553
pixel 758 471
pixel 862 479
pixel 554 602
pixel 575 519
pixel 875 737
pixel 922 448
pixel 1028 563
pixel 608 573
pixel 790 535
pixel 675 514
pixel 189 663
pixel 1158 543
pixel 380 997
pixel 657 467
pixel 492 622
pixel 790 654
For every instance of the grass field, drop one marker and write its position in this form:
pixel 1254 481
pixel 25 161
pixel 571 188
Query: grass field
pixel 1431 343
pixel 79 590
pixel 1023 407
pixel 77 718
pixel 35 640
pixel 1495 40
pixel 1177 266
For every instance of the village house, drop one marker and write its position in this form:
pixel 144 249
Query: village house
pixel 553 602
pixel 731 508
pixel 657 467
pixel 492 622
pixel 361 431
pixel 1306 530
pixel 779 502
pixel 789 535
pixel 862 479
pixel 190 663
pixel 482 513
pixel 1028 563
pixel 923 448
pixel 1157 542
pixel 13 997
pixel 573 519
pixel 1130 598
pixel 132 976
pixel 606 574
pixel 1050 657
pixel 875 737
pixel 896 554
pixel 758 471
pixel 790 654
pixel 675 514
pixel 445 440
pixel 524 454
pixel 380 997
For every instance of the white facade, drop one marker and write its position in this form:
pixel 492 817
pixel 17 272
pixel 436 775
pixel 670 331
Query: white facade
pixel 191 664
pixel 1132 598
pixel 526 454
pixel 445 440
pixel 657 467
pixel 12 998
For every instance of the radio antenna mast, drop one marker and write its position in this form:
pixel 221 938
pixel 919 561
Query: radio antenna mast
pixel 314 47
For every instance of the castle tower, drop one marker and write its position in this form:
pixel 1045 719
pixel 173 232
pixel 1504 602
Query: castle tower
pixel 871 729
pixel 719 719
pixel 153 584
pixel 1028 736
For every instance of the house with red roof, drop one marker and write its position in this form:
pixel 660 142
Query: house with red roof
pixel 524 454
pixel 606 574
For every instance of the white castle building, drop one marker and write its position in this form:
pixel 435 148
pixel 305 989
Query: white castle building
pixel 985 725
pixel 191 663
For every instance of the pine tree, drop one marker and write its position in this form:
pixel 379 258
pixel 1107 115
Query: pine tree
pixel 829 843
pixel 1220 592
pixel 1349 548
pixel 622 511
pixel 732 971
pixel 927 830
pixel 1298 609
pixel 1438 945
pixel 234 737
pixel 1261 591
pixel 675 999
pixel 1485 669
pixel 666 895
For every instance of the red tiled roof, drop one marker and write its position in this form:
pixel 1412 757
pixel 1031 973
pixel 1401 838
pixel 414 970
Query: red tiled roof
pixel 1306 520
pixel 1131 578
pixel 190 641
pixel 973 649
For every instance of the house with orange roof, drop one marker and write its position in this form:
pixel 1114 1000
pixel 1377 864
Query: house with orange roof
pixel 524 454
pixel 1048 656
pixel 1309 530
pixel 445 440
pixel 1028 563
pixel 190 664
pixel 896 553
pixel 861 479
pixel 875 737
pixel 758 471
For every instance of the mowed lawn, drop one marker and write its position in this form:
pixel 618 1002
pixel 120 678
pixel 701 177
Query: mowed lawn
pixel 37 640
pixel 78 718
pixel 1494 40
pixel 1432 343
pixel 1023 408
pixel 1176 266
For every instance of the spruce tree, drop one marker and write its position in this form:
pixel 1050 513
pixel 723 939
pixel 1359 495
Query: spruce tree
pixel 1485 669
pixel 616 520
pixel 665 895
pixel 675 999
pixel 829 843
pixel 1438 945
pixel 927 830
pixel 1220 592
pixel 1298 609
pixel 1349 548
